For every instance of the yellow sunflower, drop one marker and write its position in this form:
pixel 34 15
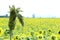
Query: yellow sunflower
pixel 53 37
pixel 22 35
pixel 28 34
pixel 1 31
pixel 41 31
pixel 40 37
pixel 15 37
pixel 37 34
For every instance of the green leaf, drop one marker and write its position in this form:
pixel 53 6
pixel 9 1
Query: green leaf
pixel 20 17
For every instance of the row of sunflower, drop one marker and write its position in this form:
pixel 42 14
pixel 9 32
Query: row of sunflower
pixel 34 29
pixel 37 36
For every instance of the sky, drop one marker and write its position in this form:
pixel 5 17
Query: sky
pixel 41 8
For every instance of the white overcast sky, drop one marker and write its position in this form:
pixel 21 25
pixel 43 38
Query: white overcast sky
pixel 41 8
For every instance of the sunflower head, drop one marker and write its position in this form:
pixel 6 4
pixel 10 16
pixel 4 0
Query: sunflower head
pixel 15 38
pixel 53 36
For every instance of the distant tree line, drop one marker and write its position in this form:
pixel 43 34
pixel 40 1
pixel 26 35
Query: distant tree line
pixel 6 16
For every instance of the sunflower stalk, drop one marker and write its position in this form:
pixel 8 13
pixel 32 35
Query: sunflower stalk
pixel 12 20
pixel 10 34
pixel 13 14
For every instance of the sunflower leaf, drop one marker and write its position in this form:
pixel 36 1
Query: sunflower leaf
pixel 20 17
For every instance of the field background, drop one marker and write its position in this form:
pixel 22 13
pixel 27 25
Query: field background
pixel 34 29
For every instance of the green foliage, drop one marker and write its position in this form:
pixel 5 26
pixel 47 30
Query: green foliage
pixel 14 12
pixel 20 17
pixel 12 17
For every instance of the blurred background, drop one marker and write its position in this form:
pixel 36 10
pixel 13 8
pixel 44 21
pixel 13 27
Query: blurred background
pixel 32 8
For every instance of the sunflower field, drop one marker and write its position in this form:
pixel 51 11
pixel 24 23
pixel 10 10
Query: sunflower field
pixel 34 29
